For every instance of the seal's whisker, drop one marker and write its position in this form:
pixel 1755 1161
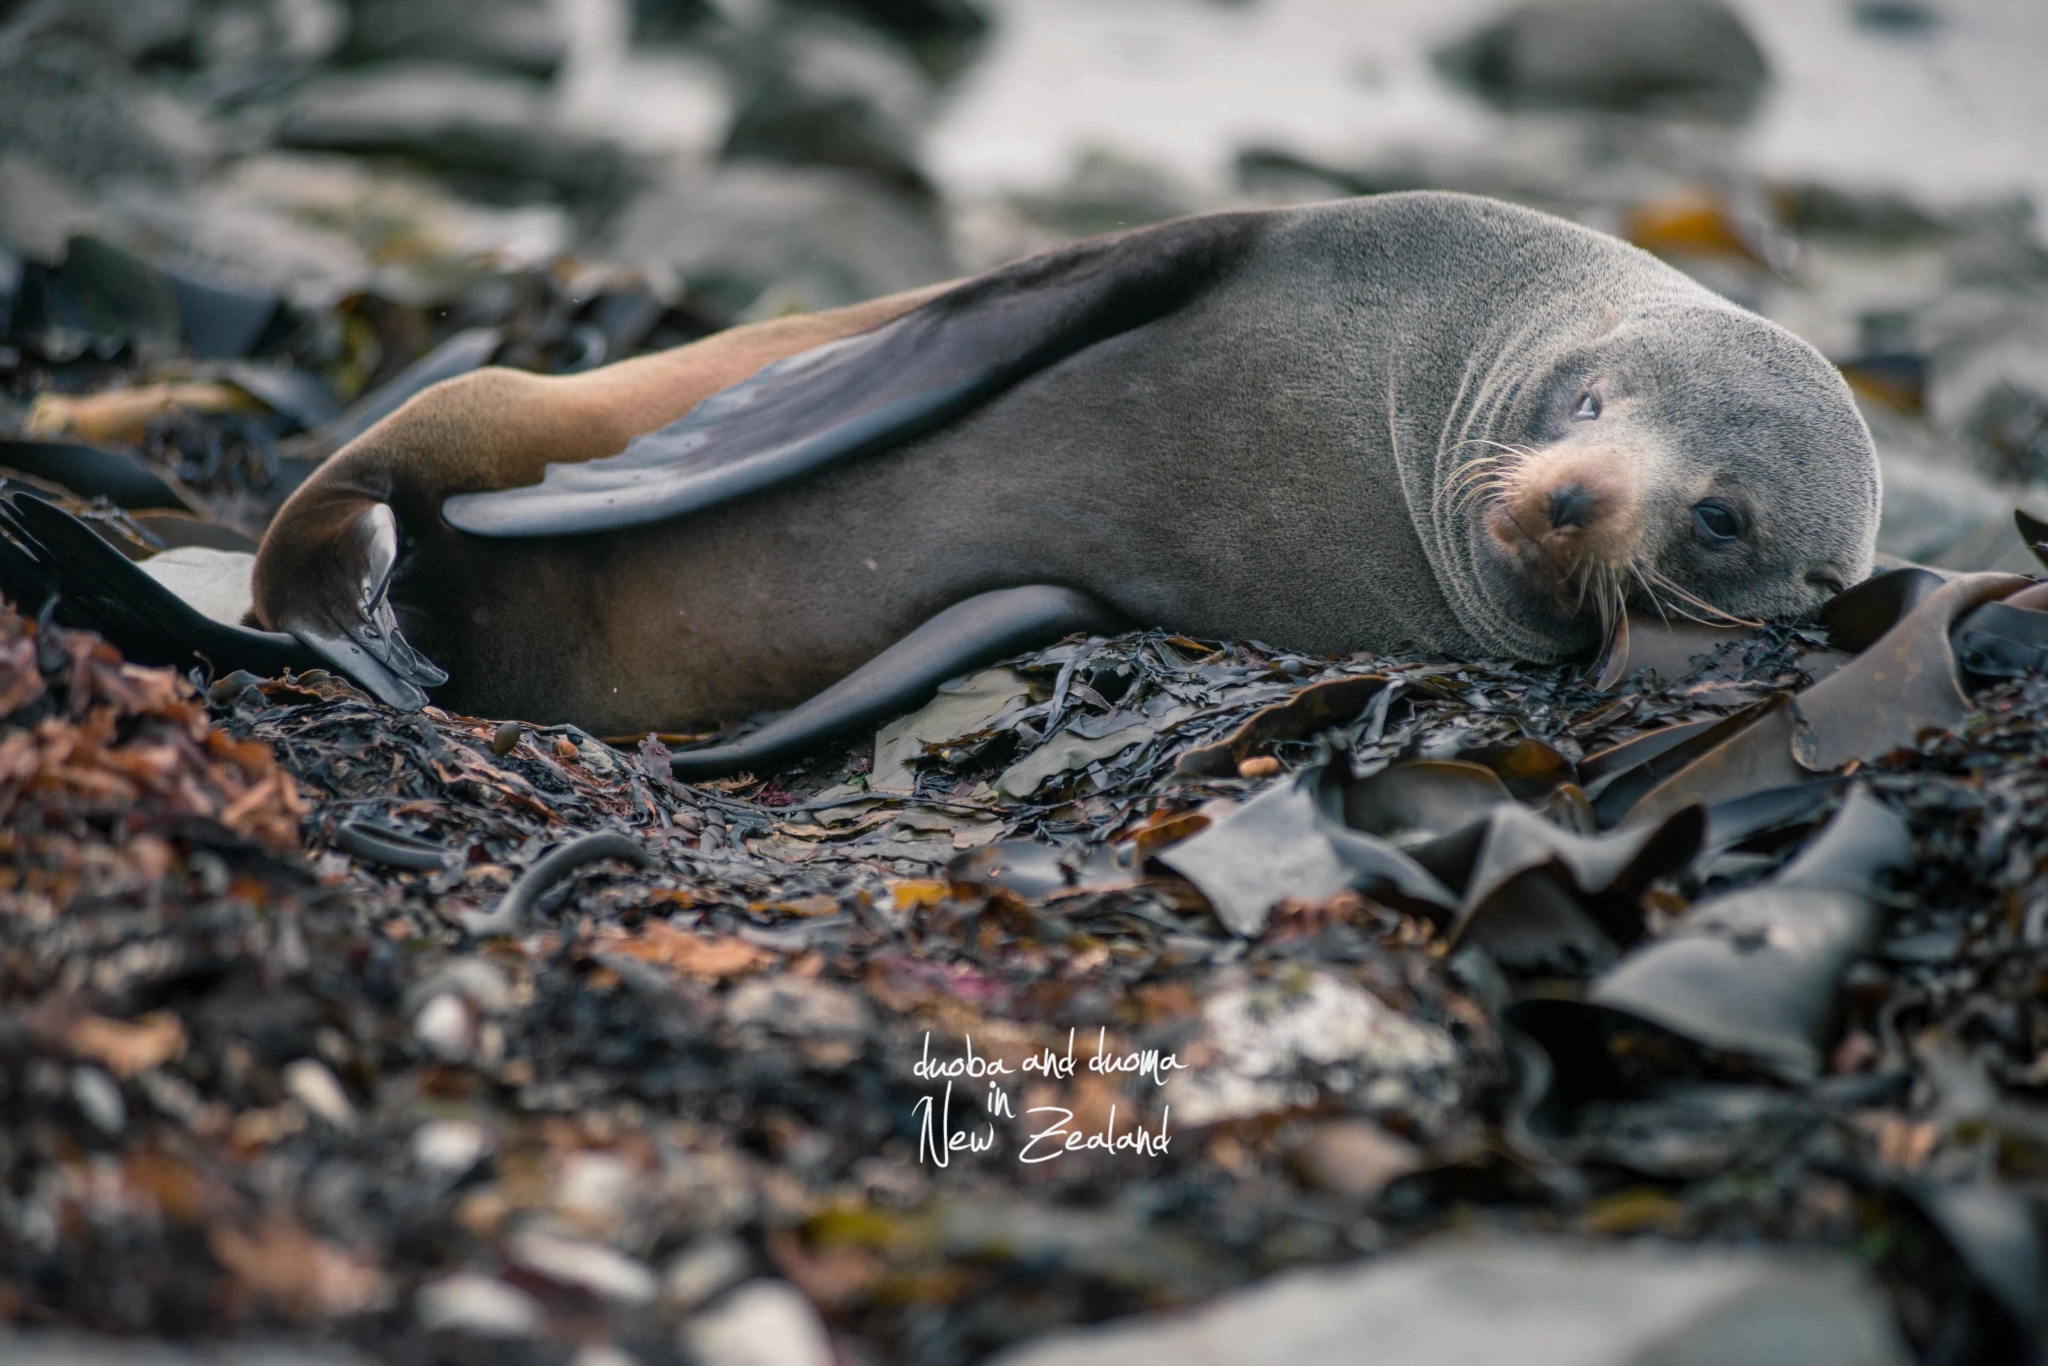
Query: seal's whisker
pixel 1614 602
pixel 1602 583
pixel 1484 475
pixel 1491 459
pixel 1728 618
pixel 1652 580
pixel 1481 490
pixel 1611 622
pixel 1503 447
pixel 1479 467
pixel 1585 575
pixel 1686 597
pixel 1649 591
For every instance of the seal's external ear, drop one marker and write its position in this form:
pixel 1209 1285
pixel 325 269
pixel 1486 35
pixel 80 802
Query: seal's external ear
pixel 866 393
pixel 358 633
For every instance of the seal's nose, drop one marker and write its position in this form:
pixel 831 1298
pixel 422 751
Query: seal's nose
pixel 1570 505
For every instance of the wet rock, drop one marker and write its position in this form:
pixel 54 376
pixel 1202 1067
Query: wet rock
pixel 75 109
pixel 2008 427
pixel 1105 191
pixel 702 1270
pixel 77 1349
pixel 317 227
pixel 480 983
pixel 669 21
pixel 449 1146
pixel 758 239
pixel 526 36
pixel 40 213
pixel 1902 18
pixel 763 1323
pixel 1695 55
pixel 1272 1043
pixel 603 1354
pixel 1353 1158
pixel 99 1099
pixel 313 1086
pixel 244 45
pixel 470 1303
pixel 922 23
pixel 1541 1304
pixel 1939 509
pixel 591 1266
pixel 595 1187
pixel 829 94
pixel 1117 1245
pixel 131 28
pixel 1988 393
pixel 1814 208
pixel 797 1008
pixel 498 129
pixel 445 1027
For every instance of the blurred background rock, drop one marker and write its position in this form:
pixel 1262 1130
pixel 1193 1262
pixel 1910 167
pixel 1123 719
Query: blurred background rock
pixel 316 206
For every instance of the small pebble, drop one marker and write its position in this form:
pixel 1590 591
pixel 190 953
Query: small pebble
pixel 469 1303
pixel 565 748
pixel 763 1323
pixel 597 1185
pixel 444 1028
pixel 702 1269
pixel 449 1146
pixel 1353 1157
pixel 313 1086
pixel 603 1354
pixel 507 738
pixel 100 1099
pixel 1260 766
pixel 593 1266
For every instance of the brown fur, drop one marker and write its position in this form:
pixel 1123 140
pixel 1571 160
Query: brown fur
pixel 498 428
pixel 1301 452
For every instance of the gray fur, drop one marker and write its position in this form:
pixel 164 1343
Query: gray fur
pixel 1268 462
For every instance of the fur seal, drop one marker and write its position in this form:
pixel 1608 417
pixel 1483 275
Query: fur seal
pixel 1423 417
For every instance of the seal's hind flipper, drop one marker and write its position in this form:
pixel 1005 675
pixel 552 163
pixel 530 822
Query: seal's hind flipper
pixel 48 552
pixel 350 624
pixel 877 389
pixel 965 636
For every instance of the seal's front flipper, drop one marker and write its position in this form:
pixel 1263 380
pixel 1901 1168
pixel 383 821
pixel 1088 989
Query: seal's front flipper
pixel 347 619
pixel 865 393
pixel 965 636
pixel 47 552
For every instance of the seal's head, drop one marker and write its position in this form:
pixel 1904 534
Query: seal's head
pixel 1691 460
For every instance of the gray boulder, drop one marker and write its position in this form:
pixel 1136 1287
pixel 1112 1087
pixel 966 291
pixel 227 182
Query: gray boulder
pixel 1534 1303
pixel 829 93
pixel 1684 55
pixel 777 239
pixel 519 35
pixel 457 120
pixel 130 28
pixel 72 105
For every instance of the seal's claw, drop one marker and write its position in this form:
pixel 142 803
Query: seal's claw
pixel 361 637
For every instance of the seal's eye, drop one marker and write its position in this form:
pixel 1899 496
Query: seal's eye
pixel 1715 521
pixel 1589 407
